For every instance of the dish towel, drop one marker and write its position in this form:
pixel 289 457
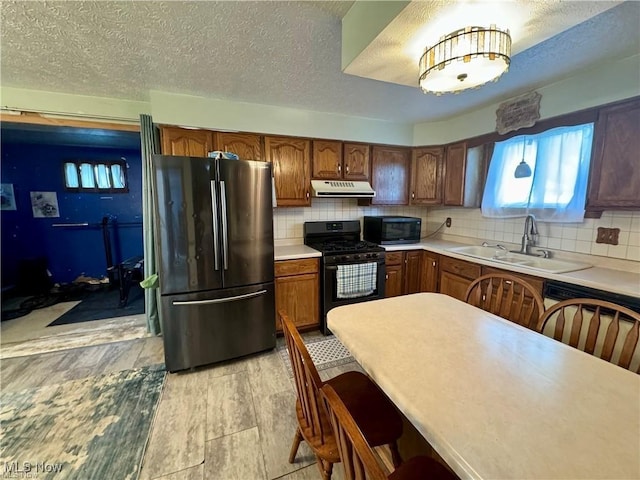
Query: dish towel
pixel 356 280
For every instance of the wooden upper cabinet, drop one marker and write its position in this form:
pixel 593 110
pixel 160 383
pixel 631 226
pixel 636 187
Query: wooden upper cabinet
pixel 291 159
pixel 390 175
pixel 247 146
pixel 356 161
pixel 327 160
pixel 334 161
pixel 454 174
pixel 186 142
pixel 426 176
pixel 615 168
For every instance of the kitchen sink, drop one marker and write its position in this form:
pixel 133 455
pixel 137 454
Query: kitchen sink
pixel 493 254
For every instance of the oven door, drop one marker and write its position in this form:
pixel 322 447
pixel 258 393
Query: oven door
pixel 335 293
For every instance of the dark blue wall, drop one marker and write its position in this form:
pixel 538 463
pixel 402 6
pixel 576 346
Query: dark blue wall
pixel 69 251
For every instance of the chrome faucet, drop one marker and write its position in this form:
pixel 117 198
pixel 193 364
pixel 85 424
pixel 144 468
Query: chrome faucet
pixel 530 238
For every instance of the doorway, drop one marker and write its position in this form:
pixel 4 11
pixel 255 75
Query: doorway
pixel 61 245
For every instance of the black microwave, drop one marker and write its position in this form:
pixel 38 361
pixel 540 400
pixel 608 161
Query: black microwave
pixel 390 230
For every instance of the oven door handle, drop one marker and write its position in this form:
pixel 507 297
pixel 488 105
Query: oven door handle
pixel 334 267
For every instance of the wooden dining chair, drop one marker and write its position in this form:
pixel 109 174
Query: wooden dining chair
pixel 507 296
pixel 358 458
pixel 373 412
pixel 596 329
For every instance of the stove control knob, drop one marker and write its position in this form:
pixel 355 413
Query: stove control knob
pixel 374 255
pixel 344 258
pixel 356 257
pixel 368 255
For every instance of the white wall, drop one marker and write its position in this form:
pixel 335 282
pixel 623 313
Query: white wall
pixel 610 82
pixel 214 114
pixel 64 103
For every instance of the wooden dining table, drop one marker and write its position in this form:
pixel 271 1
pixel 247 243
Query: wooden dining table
pixel 494 399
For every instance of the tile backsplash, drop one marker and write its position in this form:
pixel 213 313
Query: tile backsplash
pixel 288 222
pixel 571 237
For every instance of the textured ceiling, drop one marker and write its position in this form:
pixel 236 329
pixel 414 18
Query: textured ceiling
pixel 274 53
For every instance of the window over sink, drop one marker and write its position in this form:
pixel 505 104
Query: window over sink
pixel 545 174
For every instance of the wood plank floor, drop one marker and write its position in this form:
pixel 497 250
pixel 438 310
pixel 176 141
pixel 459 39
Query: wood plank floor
pixel 229 421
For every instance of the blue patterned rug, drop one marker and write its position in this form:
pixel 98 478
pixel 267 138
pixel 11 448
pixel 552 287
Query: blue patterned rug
pixel 94 428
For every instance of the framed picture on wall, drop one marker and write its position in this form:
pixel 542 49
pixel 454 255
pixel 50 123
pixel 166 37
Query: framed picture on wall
pixel 44 204
pixel 7 197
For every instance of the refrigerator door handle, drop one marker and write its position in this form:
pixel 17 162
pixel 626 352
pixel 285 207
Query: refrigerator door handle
pixel 214 209
pixel 221 300
pixel 225 233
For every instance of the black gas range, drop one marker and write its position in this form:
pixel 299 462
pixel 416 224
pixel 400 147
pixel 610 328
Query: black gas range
pixel 345 258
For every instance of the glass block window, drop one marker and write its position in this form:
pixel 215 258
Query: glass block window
pixel 95 176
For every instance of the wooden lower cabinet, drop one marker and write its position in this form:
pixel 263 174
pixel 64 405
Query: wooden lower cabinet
pixel 456 276
pixel 429 271
pixel 412 273
pixel 297 286
pixel 394 280
pixel 403 272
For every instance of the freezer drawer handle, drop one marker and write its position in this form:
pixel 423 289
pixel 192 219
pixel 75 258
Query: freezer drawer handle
pixel 225 232
pixel 222 300
pixel 214 209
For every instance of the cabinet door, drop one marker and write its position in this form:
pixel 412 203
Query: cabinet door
pixel 357 161
pixel 394 281
pixel 426 176
pixel 615 172
pixel 454 174
pixel 454 285
pixel 186 142
pixel 412 271
pixel 247 146
pixel 390 176
pixel 291 161
pixel 429 279
pixel 456 276
pixel 298 296
pixel 327 160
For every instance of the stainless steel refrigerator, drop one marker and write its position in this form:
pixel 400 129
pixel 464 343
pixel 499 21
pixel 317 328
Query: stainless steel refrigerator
pixel 214 228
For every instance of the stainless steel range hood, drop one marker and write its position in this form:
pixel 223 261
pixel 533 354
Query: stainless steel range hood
pixel 341 189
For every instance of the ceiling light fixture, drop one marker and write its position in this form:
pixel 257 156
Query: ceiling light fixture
pixel 466 58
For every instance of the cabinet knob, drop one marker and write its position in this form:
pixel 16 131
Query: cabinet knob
pixel 433 263
pixel 386 277
pixel 347 168
pixel 339 168
pixel 307 194
pixel 413 195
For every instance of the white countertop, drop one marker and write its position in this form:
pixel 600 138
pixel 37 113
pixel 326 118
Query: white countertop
pixel 494 399
pixel 292 252
pixel 625 282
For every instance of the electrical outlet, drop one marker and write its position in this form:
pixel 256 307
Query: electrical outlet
pixel 608 235
pixel 447 222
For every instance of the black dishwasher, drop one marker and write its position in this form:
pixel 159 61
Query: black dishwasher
pixel 559 291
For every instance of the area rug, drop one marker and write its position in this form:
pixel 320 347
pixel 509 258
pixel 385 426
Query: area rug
pixel 326 352
pixel 96 427
pixel 103 304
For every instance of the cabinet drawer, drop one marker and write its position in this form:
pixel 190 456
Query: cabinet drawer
pixel 535 282
pixel 460 267
pixel 284 268
pixel 393 258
